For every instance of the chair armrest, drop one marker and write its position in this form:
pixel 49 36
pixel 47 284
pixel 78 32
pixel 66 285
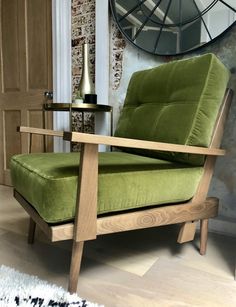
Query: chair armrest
pixel 39 131
pixel 134 143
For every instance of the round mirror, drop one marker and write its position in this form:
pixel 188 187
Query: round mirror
pixel 170 27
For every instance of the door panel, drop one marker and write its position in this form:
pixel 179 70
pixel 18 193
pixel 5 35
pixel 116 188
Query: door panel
pixel 12 119
pixel 25 74
pixel 37 44
pixel 10 47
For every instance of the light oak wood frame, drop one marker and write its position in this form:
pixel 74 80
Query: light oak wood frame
pixel 87 225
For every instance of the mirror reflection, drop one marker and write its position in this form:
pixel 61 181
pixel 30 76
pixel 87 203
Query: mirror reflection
pixel 169 27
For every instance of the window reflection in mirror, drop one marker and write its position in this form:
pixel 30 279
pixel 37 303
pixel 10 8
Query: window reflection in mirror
pixel 168 27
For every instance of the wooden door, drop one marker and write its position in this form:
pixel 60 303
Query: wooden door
pixel 25 74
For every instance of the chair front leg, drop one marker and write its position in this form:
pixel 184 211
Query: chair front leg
pixel 85 225
pixel 187 232
pixel 76 257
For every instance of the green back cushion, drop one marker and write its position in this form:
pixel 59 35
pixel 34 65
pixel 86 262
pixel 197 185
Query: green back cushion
pixel 176 103
pixel 126 181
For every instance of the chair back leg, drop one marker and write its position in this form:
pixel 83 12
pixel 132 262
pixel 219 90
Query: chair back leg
pixel 31 232
pixel 203 236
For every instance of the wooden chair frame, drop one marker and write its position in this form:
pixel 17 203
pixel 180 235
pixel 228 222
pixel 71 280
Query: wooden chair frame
pixel 87 225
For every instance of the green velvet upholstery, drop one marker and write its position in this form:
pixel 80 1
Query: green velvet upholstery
pixel 49 181
pixel 176 103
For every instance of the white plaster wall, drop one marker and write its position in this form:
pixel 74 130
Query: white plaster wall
pixel 223 183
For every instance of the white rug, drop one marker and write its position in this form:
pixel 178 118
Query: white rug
pixel 18 289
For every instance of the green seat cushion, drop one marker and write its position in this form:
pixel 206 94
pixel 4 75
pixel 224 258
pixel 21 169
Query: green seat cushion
pixel 176 103
pixel 126 181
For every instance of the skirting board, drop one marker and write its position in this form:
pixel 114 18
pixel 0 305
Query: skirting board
pixel 223 225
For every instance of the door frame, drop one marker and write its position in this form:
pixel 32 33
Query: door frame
pixel 62 70
pixel 102 62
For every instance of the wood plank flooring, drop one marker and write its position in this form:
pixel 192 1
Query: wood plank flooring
pixel 139 268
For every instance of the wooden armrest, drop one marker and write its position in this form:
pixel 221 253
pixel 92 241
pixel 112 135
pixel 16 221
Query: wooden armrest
pixel 133 143
pixel 39 131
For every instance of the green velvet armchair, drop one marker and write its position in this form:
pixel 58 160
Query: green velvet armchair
pixel 168 136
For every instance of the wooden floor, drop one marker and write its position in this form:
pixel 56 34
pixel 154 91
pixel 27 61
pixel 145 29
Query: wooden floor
pixel 140 268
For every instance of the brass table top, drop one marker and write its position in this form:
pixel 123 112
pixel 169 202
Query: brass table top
pixel 79 107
